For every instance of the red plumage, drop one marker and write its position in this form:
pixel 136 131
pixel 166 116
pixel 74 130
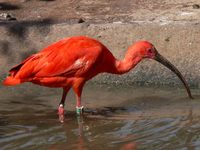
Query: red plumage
pixel 61 63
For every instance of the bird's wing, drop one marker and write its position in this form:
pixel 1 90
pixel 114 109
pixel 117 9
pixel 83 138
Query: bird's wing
pixel 58 61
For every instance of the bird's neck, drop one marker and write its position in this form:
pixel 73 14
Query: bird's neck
pixel 125 65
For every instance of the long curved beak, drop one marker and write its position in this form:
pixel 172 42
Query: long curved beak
pixel 170 66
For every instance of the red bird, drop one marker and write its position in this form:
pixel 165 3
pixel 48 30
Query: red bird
pixel 72 61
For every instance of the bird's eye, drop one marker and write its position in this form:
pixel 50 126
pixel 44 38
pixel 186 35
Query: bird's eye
pixel 150 50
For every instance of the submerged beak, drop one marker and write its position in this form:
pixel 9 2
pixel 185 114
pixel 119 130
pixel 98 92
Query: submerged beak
pixel 166 63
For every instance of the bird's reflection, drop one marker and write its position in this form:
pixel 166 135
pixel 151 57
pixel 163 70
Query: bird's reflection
pixel 85 133
pixel 74 131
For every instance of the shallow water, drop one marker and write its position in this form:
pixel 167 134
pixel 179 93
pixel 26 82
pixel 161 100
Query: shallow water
pixel 116 118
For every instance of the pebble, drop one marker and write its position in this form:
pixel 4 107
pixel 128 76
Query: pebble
pixel 196 6
pixel 81 20
pixel 7 17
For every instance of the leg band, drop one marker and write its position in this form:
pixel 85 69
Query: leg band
pixel 79 110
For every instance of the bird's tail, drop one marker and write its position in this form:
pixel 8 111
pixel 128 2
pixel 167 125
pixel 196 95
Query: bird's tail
pixel 10 81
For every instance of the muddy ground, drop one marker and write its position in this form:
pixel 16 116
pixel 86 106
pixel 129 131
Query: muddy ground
pixel 104 11
pixel 27 26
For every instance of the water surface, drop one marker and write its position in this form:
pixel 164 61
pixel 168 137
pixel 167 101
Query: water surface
pixel 116 118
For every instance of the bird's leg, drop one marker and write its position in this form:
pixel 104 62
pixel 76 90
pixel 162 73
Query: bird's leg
pixel 78 90
pixel 79 108
pixel 61 105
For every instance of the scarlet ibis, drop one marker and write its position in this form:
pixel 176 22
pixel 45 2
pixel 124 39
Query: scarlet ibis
pixel 70 62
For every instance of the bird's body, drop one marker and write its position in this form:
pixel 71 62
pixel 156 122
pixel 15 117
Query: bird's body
pixel 65 63
pixel 69 63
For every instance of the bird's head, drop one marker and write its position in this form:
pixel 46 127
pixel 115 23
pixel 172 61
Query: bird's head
pixel 145 49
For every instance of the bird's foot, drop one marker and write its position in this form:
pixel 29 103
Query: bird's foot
pixel 61 113
pixel 79 110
